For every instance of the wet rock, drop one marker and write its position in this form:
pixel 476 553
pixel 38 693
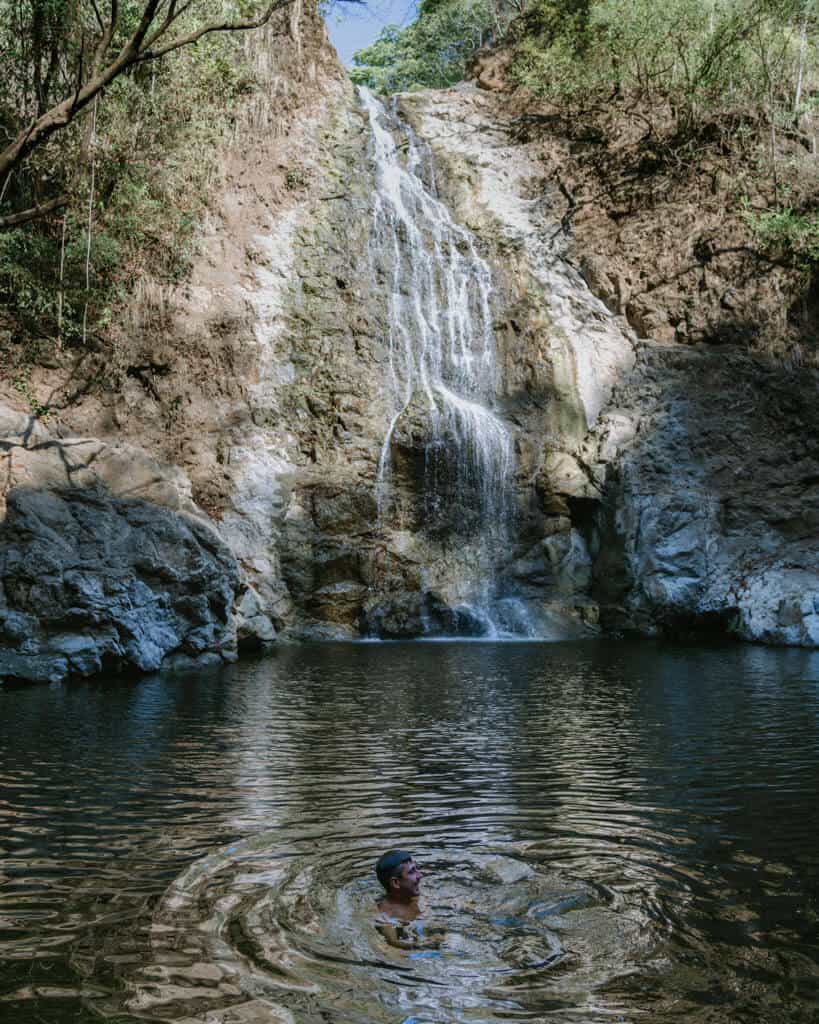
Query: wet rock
pixel 28 667
pixel 103 563
pixel 394 619
pixel 711 512
pixel 779 606
pixel 442 619
pixel 253 627
pixel 184 664
pixel 504 870
pixel 114 589
pixel 559 565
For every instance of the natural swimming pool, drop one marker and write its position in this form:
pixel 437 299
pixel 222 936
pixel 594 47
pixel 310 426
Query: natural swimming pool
pixel 609 831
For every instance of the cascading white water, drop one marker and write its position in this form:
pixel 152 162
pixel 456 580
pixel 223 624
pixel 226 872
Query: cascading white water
pixel 441 347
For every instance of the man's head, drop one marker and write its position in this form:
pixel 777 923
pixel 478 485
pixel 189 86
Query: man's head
pixel 399 874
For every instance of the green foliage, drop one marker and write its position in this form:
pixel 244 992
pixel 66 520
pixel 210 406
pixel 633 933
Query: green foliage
pixel 22 385
pixel 787 234
pixel 152 156
pixel 743 71
pixel 30 280
pixel 430 53
pixel 699 54
pixel 750 67
pixel 25 260
pixel 295 179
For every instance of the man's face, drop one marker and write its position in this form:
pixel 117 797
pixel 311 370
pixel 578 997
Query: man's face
pixel 407 882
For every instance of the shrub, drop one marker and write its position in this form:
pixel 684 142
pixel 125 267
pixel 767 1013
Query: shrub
pixel 155 152
pixel 787 234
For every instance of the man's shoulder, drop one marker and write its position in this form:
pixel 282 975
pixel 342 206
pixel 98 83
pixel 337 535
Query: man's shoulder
pixel 395 914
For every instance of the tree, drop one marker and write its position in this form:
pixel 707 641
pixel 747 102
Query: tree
pixel 66 55
pixel 700 55
pixel 429 53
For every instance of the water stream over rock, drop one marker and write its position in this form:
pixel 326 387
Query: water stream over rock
pixel 443 371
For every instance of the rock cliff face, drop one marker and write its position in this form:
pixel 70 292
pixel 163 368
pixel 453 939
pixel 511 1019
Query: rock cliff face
pixel 691 471
pixel 710 514
pixel 105 561
pixel 156 483
pixel 218 484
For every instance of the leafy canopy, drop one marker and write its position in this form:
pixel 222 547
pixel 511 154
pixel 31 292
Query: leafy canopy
pixel 430 53
pixel 700 53
pixel 130 170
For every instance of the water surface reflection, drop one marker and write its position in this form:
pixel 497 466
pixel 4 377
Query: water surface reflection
pixel 613 831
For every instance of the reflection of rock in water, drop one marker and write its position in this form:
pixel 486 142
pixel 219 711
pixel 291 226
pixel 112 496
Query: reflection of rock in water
pixel 252 933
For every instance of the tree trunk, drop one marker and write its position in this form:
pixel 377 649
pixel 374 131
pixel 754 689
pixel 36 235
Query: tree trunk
pixel 803 45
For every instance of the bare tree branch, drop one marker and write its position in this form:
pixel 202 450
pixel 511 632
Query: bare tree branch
pixel 135 51
pixel 98 16
pixel 33 214
pixel 170 17
pixel 217 26
pixel 106 37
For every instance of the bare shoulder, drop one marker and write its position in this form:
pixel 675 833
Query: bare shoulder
pixel 389 911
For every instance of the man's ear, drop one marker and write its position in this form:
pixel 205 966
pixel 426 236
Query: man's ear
pixel 394 882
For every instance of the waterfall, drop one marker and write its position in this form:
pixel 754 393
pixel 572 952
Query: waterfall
pixel 442 362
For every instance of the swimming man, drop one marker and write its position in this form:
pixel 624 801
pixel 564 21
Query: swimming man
pixel 399 912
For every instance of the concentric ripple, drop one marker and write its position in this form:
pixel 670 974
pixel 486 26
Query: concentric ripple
pixel 608 832
pixel 293 938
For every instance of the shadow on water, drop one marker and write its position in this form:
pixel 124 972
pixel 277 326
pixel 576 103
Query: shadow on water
pixel 609 832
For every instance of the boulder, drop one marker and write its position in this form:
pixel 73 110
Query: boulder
pixel 710 513
pixel 92 581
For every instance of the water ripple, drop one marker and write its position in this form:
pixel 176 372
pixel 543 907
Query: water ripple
pixel 608 833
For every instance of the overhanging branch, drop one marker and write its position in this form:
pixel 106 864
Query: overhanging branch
pixel 34 213
pixel 221 26
pixel 136 50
